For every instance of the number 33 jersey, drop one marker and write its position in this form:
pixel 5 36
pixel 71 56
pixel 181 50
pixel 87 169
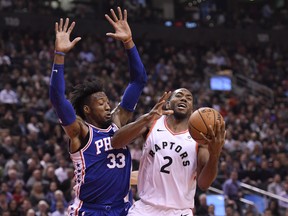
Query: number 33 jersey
pixel 167 174
pixel 102 174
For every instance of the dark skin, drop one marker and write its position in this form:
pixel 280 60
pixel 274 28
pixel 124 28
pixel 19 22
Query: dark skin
pixel 97 110
pixel 180 107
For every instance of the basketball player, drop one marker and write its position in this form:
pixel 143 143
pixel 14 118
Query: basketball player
pixel 172 162
pixel 102 174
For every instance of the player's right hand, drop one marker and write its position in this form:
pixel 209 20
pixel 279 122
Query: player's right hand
pixel 63 43
pixel 158 110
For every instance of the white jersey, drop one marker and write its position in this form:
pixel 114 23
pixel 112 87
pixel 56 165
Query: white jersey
pixel 167 174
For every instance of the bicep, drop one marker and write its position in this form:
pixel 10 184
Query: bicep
pixel 76 131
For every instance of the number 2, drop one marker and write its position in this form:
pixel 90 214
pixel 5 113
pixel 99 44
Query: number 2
pixel 166 165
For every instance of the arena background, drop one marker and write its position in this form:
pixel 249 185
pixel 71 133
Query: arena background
pixel 231 54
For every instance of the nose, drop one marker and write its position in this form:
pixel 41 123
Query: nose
pixel 107 107
pixel 184 99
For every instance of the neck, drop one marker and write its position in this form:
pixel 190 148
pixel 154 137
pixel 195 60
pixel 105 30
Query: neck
pixel 177 125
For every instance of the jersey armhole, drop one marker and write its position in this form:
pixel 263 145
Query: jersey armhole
pixel 84 141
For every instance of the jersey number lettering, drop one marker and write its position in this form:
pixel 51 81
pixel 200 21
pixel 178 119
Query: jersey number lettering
pixel 163 168
pixel 116 160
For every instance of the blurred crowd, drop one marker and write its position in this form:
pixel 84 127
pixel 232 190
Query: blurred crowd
pixel 36 173
pixel 204 13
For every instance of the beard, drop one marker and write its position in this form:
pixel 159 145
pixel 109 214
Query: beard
pixel 179 115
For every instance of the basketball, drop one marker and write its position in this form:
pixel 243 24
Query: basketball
pixel 200 120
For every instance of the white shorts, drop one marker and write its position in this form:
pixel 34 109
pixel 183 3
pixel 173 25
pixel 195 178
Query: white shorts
pixel 143 209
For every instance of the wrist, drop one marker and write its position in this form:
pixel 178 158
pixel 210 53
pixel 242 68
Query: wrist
pixel 127 40
pixel 214 157
pixel 59 53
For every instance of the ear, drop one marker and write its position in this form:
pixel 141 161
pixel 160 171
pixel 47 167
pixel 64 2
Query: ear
pixel 86 109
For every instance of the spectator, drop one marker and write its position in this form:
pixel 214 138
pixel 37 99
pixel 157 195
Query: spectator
pixel 211 210
pixel 61 172
pixel 5 190
pixel 19 194
pixel 43 208
pixel 37 193
pixel 273 206
pixel 8 95
pixel 60 209
pixel 284 205
pixel 203 207
pixel 275 186
pixel 232 190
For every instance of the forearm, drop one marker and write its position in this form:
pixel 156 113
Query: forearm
pixel 208 173
pixel 138 80
pixel 136 67
pixel 61 105
pixel 129 132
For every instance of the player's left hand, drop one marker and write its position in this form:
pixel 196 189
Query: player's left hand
pixel 216 140
pixel 120 25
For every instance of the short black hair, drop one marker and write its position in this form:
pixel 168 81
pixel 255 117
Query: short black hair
pixel 81 93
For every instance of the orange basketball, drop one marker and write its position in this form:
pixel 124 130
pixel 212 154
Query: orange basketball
pixel 200 120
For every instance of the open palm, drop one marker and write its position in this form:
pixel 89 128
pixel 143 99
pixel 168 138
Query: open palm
pixel 63 43
pixel 120 25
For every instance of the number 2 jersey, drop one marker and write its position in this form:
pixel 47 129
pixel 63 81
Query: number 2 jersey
pixel 102 174
pixel 167 173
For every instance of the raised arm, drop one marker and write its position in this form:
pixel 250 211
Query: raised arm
pixel 131 131
pixel 208 156
pixel 63 107
pixel 138 76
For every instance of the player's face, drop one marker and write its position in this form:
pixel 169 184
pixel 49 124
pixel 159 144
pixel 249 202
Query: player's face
pixel 181 102
pixel 100 110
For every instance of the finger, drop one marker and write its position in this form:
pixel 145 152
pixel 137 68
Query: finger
pixel 125 15
pixel 218 129
pixel 165 96
pixel 204 137
pixel 167 112
pixel 66 25
pixel 56 27
pixel 113 35
pixel 114 15
pixel 162 97
pixel 61 24
pixel 119 13
pixel 211 131
pixel 159 104
pixel 223 126
pixel 70 29
pixel 110 20
pixel 76 40
pixel 224 136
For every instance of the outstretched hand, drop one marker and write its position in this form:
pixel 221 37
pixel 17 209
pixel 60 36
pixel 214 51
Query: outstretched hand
pixel 157 111
pixel 63 43
pixel 120 25
pixel 217 139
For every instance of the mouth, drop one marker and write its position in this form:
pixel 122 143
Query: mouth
pixel 108 116
pixel 182 106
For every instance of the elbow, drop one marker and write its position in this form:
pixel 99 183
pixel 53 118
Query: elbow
pixel 203 187
pixel 116 145
pixel 144 78
pixel 116 142
pixel 53 96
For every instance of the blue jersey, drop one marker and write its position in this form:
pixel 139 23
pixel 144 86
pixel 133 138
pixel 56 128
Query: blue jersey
pixel 102 174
